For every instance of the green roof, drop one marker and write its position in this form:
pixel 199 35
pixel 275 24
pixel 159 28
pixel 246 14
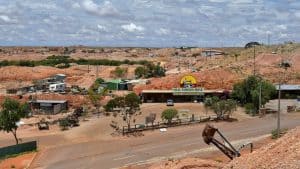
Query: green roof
pixel 114 81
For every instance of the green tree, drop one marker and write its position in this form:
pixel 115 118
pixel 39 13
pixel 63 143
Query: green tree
pixel 118 102
pixel 96 95
pixel 120 72
pixel 11 113
pixel 140 72
pixel 223 108
pixel 169 114
pixel 129 105
pixel 132 105
pixel 247 92
pixel 209 101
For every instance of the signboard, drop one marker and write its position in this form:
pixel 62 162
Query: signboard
pixel 189 79
pixel 187 91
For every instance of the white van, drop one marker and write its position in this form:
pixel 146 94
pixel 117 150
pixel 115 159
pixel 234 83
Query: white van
pixel 58 87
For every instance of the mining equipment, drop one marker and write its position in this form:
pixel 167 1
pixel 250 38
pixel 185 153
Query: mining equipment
pixel 224 145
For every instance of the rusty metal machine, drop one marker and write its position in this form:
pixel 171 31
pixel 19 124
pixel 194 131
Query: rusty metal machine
pixel 226 147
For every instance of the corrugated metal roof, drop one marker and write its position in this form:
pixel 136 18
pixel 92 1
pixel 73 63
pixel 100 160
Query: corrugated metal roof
pixel 49 101
pixel 288 87
pixel 171 91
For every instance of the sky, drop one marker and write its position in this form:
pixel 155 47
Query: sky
pixel 148 23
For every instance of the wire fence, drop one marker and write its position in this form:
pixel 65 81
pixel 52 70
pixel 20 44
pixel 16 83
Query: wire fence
pixel 173 123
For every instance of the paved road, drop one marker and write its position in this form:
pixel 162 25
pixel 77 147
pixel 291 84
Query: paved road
pixel 152 146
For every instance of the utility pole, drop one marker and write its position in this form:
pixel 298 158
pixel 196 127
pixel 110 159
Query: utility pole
pixel 278 112
pixel 259 95
pixel 254 60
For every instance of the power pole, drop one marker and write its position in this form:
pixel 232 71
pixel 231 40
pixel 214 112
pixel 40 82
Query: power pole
pixel 259 95
pixel 254 60
pixel 278 112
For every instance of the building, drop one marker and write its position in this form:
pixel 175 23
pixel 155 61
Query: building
pixel 209 53
pixel 289 91
pixel 189 92
pixel 48 106
pixel 181 94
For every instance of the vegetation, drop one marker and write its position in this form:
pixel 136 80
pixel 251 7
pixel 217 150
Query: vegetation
pixel 247 93
pixel 96 93
pixel 251 44
pixel 169 114
pixel 118 102
pixel 140 72
pixel 132 103
pixel 120 72
pixel 150 70
pixel 64 124
pixel 65 61
pixel 128 105
pixel 222 108
pixel 11 113
pixel 274 133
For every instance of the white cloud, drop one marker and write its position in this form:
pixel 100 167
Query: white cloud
pixel 4 19
pixel 76 5
pixel 101 27
pixel 105 9
pixel 132 28
pixel 162 31
pixel 282 27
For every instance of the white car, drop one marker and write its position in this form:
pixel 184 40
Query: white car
pixel 170 102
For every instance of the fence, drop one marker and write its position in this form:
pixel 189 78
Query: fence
pixel 157 125
pixel 17 149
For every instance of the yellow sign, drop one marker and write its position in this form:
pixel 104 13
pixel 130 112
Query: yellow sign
pixel 188 79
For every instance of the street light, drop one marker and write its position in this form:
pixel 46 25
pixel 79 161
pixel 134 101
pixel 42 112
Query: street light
pixel 285 65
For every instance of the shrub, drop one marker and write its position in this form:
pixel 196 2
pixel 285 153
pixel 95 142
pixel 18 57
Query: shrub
pixel 281 133
pixel 64 124
pixel 169 114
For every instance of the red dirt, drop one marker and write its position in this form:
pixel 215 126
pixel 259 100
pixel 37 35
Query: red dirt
pixel 209 79
pixel 284 153
pixel 19 162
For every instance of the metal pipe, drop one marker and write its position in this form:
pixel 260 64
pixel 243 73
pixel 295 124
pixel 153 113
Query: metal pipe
pixel 231 146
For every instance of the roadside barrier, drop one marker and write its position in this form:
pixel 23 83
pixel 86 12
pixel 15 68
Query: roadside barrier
pixel 17 149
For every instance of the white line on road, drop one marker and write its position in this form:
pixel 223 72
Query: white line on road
pixel 185 154
pixel 122 158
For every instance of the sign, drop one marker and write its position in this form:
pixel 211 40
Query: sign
pixel 188 79
pixel 187 91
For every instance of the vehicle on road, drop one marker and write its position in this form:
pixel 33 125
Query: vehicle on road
pixel 170 102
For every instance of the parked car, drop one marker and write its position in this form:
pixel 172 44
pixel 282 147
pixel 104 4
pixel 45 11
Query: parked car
pixel 170 102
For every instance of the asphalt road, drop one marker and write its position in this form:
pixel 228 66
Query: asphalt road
pixel 153 146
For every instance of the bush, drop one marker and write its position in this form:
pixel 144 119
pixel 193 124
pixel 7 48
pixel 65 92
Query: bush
pixel 169 114
pixel 223 108
pixel 249 108
pixel 64 124
pixel 281 133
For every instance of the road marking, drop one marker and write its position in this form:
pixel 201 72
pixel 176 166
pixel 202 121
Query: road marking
pixel 185 153
pixel 122 158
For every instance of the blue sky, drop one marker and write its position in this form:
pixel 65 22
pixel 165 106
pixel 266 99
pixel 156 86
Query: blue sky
pixel 149 23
